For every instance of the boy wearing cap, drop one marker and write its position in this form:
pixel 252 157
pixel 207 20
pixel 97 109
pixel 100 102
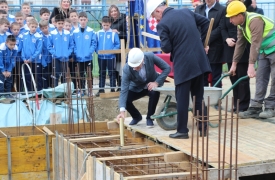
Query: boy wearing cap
pixel 138 80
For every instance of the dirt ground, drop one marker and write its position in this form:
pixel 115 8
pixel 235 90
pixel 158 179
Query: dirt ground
pixel 108 108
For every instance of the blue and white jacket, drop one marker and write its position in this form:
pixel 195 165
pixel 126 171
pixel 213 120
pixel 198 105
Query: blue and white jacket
pixel 107 40
pixel 84 44
pixel 60 45
pixel 11 18
pixel 7 57
pixel 19 43
pixel 31 47
pixel 46 56
pixel 3 37
pixel 51 28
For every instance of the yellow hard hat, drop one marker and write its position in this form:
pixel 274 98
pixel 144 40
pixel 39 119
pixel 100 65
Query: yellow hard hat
pixel 234 8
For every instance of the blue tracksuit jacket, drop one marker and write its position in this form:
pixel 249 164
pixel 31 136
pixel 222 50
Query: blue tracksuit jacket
pixel 3 37
pixel 7 57
pixel 11 18
pixel 31 47
pixel 84 44
pixel 60 46
pixel 46 56
pixel 107 40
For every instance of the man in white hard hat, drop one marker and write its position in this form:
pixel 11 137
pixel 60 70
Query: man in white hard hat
pixel 138 80
pixel 179 36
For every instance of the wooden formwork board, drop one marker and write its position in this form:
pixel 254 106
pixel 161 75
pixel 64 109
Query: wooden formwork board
pixel 69 161
pixel 28 150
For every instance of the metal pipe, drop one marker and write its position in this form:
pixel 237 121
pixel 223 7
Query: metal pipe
pixel 202 131
pixel 237 133
pixel 219 142
pixel 224 137
pixel 207 136
pixel 231 139
pixel 197 162
pixel 192 138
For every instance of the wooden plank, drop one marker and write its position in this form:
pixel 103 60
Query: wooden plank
pixel 159 176
pixel 27 176
pixel 112 125
pixel 94 139
pixel 177 156
pixel 61 128
pixel 109 95
pixel 130 157
pixel 116 148
pixel 150 35
pixel 47 130
pixel 118 51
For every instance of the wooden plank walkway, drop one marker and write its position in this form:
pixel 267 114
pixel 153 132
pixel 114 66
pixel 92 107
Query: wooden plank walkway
pixel 256 141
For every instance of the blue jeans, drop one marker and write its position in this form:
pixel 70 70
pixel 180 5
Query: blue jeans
pixel 5 83
pixel 110 65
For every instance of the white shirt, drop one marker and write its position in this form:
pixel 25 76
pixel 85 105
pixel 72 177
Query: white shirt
pixel 207 9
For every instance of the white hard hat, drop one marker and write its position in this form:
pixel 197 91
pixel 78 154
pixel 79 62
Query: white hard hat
pixel 151 6
pixel 135 57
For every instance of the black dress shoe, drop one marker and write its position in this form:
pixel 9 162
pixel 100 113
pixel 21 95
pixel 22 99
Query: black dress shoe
pixel 178 135
pixel 134 121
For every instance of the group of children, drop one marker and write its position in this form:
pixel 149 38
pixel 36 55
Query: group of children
pixel 50 49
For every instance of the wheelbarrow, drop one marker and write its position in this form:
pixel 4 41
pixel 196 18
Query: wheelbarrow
pixel 166 114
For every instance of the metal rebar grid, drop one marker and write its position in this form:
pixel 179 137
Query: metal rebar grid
pixel 224 156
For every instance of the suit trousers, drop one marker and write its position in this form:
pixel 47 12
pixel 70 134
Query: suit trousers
pixel 195 86
pixel 242 90
pixel 152 104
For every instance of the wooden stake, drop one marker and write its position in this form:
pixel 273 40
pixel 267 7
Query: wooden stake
pixel 121 131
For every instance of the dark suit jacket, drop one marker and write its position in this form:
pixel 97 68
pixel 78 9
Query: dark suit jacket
pixel 179 35
pixel 215 41
pixel 131 79
pixel 229 30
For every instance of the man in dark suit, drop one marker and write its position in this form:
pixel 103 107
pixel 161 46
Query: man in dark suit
pixel 179 36
pixel 139 78
pixel 213 9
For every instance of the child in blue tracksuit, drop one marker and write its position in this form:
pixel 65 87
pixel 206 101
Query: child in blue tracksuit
pixel 15 30
pixel 60 45
pixel 107 40
pixel 84 46
pixel 4 27
pixel 31 54
pixel 46 57
pixel 8 52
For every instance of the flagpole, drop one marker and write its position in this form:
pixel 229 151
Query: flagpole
pixel 144 21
